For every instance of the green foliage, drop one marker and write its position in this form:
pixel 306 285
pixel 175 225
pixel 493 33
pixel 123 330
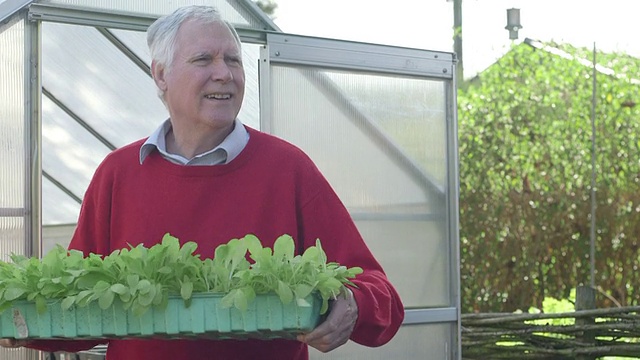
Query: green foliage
pixel 525 143
pixel 554 306
pixel 142 277
pixel 267 6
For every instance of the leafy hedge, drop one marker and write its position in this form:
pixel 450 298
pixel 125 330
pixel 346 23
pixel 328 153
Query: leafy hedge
pixel 525 141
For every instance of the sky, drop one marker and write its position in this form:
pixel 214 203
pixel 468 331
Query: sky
pixel 610 25
pixel 613 25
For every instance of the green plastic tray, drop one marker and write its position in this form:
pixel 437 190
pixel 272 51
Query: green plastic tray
pixel 266 318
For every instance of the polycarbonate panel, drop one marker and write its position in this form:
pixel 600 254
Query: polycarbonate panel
pixel 380 141
pixel 411 112
pixel 412 254
pixel 12 241
pixel 13 354
pixel 250 110
pixel 379 148
pixel 230 10
pixel 57 206
pixel 12 236
pixel 56 235
pixel 412 342
pixel 12 116
pixel 70 154
pixel 136 41
pixel 99 84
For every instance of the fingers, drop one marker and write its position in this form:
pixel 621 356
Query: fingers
pixel 337 328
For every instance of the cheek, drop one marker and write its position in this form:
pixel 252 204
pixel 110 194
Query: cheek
pixel 240 84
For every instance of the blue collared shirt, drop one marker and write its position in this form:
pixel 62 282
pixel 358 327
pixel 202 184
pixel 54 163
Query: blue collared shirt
pixel 230 147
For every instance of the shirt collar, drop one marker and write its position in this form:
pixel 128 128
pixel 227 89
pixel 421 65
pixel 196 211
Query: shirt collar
pixel 224 153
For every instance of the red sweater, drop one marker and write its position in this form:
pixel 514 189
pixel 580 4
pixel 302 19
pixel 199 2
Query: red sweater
pixel 271 188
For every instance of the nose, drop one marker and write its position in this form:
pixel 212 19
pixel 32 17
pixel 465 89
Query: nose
pixel 221 72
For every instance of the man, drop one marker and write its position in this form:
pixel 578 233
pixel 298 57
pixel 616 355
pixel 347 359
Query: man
pixel 203 176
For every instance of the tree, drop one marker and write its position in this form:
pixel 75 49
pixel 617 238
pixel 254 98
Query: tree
pixel 525 171
pixel 268 6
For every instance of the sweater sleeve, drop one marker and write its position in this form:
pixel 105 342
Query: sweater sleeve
pixel 92 234
pixel 380 309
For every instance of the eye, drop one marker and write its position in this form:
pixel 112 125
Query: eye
pixel 233 60
pixel 201 60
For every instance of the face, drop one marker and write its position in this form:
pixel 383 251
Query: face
pixel 204 87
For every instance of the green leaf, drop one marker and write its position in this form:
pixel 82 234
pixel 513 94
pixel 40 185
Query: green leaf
pixel 144 286
pixel 302 290
pixel 253 244
pixel 284 292
pixel 284 247
pixel 101 286
pixel 125 297
pixel 68 302
pixel 186 290
pixel 145 299
pixel 13 293
pixel 41 304
pixel 106 299
pixel 84 297
pixel 119 289
pixel 132 281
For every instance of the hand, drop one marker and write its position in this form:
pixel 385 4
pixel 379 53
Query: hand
pixel 337 328
pixel 13 343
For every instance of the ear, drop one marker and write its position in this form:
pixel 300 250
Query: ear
pixel 158 72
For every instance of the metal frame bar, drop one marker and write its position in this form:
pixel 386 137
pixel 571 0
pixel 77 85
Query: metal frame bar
pixel 453 196
pixel 125 50
pixel 90 17
pixel 115 20
pixel 430 316
pixel 10 7
pixel 78 119
pixel 264 82
pixel 60 186
pixel 287 48
pixel 13 212
pixel 33 140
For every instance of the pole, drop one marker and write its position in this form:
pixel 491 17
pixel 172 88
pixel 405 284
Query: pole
pixel 457 38
pixel 592 254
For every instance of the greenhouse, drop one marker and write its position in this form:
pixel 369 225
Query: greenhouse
pixel 379 122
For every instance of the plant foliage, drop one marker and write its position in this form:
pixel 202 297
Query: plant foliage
pixel 142 277
pixel 525 139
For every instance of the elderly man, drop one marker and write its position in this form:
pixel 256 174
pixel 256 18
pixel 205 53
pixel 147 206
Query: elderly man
pixel 204 176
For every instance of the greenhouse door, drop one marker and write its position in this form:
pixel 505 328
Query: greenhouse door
pixel 380 123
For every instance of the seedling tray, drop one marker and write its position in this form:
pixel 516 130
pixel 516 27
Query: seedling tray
pixel 266 318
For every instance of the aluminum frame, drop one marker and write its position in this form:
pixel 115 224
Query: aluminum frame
pixel 348 55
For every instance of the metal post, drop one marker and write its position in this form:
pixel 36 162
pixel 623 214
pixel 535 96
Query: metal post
pixel 457 38
pixel 592 250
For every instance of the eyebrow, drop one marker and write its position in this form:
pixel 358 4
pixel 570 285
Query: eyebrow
pixel 200 54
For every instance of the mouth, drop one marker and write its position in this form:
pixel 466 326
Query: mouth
pixel 218 96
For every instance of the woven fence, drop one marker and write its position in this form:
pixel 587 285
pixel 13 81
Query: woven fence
pixel 583 334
